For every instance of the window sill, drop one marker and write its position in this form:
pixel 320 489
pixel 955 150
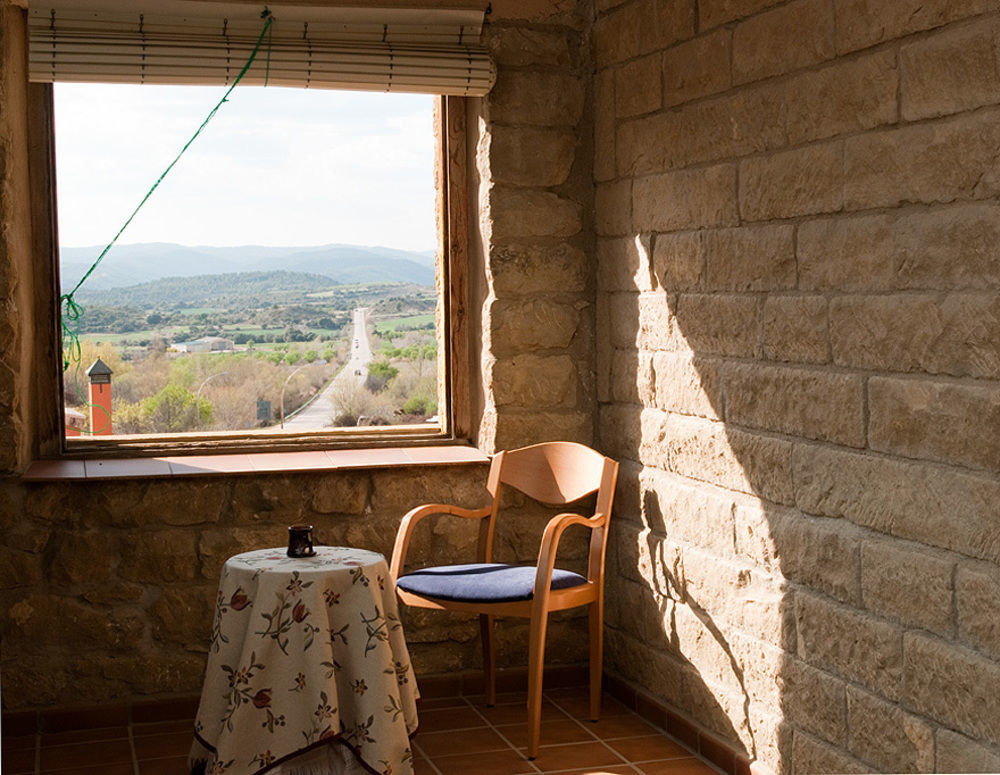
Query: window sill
pixel 249 463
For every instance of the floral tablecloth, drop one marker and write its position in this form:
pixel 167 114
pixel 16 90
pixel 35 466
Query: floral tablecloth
pixel 305 653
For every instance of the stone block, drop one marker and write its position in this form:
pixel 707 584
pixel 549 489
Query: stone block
pixel 720 324
pixel 940 161
pixel 39 622
pixel 519 46
pixel 19 569
pixel 604 126
pixel 522 269
pixel 952 686
pixel 804 181
pixel 674 507
pixel 637 87
pixel 685 199
pixel 913 587
pixel 536 98
pixel 950 72
pixel 697 638
pixel 679 260
pixel 977 591
pixel 184 616
pixel 658 328
pixel 620 429
pixel 400 492
pixel 516 430
pixel 784 39
pixel 813 701
pixel 533 324
pixel 796 329
pixel 622 318
pixel 613 208
pixel 822 554
pixel 217 545
pixel 930 504
pixel 761 665
pixel 160 557
pixel 535 381
pixel 345 493
pixel 941 421
pixel 816 404
pixel 654 430
pixel 750 258
pixel 881 733
pixel 957 753
pixel 706 451
pixel 851 644
pixel 665 22
pixel 712 13
pixel 956 334
pixel 818 758
pixel 523 213
pixel 625 369
pixel 944 248
pixel 623 265
pixel 616 36
pixel 84 557
pixel 864 23
pixel 529 156
pixel 688 384
pixel 697 67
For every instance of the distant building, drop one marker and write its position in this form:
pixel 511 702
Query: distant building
pixel 206 344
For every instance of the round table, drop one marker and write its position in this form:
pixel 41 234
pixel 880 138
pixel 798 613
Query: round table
pixel 307 662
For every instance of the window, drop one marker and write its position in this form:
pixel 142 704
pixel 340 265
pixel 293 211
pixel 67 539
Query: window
pixel 283 350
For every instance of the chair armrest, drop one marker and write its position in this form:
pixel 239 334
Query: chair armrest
pixel 550 545
pixel 410 520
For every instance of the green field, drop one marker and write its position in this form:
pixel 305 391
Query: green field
pixel 413 321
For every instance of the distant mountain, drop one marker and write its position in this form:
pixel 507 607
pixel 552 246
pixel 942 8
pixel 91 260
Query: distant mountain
pixel 130 265
pixel 202 290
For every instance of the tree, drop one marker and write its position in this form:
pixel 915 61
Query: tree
pixel 310 356
pixel 173 410
pixel 292 358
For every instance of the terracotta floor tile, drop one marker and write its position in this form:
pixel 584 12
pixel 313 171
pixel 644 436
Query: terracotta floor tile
pixel 625 725
pixel 620 769
pixel 96 769
pixel 506 762
pixel 579 707
pixel 162 728
pixel 517 713
pixel 62 757
pixel 438 720
pixel 85 736
pixel 18 743
pixel 160 746
pixel 175 765
pixel 18 761
pixel 420 767
pixel 690 766
pixel 553 733
pixel 465 741
pixel 575 756
pixel 644 749
pixel 441 702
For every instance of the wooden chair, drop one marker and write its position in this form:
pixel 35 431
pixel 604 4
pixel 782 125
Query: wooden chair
pixel 555 473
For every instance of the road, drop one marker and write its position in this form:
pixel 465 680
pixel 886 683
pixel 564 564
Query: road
pixel 321 411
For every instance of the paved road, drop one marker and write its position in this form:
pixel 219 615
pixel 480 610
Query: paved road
pixel 321 411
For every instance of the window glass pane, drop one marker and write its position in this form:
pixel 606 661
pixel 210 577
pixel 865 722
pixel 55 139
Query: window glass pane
pixel 283 270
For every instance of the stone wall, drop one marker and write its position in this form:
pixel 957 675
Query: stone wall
pixel 106 588
pixel 799 353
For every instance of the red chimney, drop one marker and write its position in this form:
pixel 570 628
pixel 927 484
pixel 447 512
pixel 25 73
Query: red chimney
pixel 100 398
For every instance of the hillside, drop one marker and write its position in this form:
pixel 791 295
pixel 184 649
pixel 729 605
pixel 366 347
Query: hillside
pixel 203 290
pixel 132 265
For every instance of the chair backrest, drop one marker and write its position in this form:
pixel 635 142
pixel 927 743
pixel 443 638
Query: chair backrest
pixel 556 472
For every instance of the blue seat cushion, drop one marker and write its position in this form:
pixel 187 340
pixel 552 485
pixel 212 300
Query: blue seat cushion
pixel 488 582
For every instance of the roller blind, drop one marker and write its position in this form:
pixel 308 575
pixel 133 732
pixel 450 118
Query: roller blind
pixel 436 51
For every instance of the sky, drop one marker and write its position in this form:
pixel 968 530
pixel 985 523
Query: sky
pixel 275 166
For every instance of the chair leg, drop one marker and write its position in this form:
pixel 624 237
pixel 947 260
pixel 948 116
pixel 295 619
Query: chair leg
pixel 489 658
pixel 536 663
pixel 596 656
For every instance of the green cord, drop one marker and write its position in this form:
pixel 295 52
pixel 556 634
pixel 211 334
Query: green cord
pixel 73 311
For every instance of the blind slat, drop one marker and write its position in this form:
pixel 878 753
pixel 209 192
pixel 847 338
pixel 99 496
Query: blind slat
pixel 419 56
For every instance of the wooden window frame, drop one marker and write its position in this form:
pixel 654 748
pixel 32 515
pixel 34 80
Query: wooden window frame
pixel 452 169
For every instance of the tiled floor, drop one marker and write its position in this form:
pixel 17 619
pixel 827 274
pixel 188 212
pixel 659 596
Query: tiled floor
pixel 458 736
